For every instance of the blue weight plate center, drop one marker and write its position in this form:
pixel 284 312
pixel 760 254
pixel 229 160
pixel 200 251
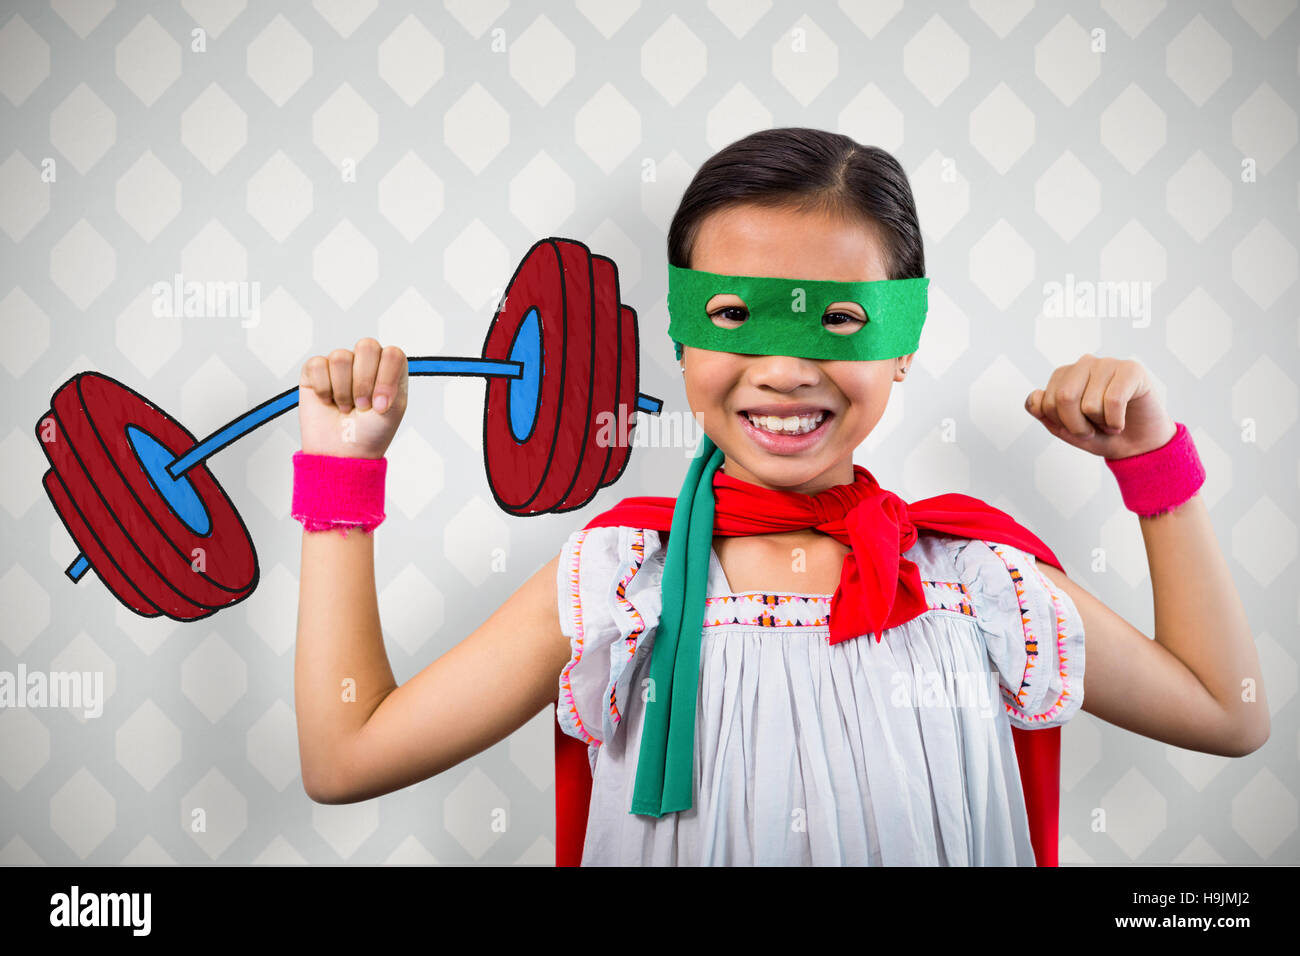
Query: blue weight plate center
pixel 178 493
pixel 526 390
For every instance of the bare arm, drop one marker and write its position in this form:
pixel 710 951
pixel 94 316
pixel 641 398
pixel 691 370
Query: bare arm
pixel 391 736
pixel 1185 687
pixel 359 733
pixel 1197 685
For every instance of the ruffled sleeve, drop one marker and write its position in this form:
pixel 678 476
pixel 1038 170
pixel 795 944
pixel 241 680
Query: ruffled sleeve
pixel 609 600
pixel 1032 629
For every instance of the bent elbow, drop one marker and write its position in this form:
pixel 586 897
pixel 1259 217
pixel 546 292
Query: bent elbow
pixel 325 795
pixel 1246 740
pixel 324 788
pixel 315 791
pixel 1258 740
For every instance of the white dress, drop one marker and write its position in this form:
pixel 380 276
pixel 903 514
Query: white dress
pixel 860 753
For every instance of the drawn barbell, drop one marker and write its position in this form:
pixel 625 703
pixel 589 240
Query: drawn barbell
pixel 131 486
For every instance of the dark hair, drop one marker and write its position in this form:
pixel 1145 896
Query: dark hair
pixel 809 169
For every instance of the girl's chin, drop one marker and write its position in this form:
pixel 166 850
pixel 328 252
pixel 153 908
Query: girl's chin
pixel 783 472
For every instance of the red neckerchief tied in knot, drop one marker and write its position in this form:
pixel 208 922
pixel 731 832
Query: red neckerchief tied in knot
pixel 878 587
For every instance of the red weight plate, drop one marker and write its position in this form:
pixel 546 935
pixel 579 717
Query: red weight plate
pixel 102 564
pixel 602 430
pixel 516 468
pixel 98 436
pixel 571 444
pixel 231 570
pixel 532 476
pixel 628 385
pixel 116 556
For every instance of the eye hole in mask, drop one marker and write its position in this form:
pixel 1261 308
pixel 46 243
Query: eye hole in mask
pixel 844 318
pixel 728 311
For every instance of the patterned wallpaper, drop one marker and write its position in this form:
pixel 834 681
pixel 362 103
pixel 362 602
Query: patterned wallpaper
pixel 1116 177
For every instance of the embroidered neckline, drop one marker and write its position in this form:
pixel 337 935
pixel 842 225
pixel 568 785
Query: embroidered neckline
pixel 788 609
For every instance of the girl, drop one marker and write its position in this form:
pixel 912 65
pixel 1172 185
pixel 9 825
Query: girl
pixel 846 701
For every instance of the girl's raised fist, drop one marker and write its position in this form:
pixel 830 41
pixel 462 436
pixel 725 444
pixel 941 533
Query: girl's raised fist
pixel 351 402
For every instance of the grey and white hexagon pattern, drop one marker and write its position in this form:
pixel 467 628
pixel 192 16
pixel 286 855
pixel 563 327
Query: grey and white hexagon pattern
pixel 1117 177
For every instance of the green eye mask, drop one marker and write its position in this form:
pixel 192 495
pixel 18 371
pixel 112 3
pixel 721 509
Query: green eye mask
pixel 785 316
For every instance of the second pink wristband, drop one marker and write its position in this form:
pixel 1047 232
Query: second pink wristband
pixel 1162 479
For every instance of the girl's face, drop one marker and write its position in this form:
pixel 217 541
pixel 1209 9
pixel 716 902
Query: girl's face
pixel 726 388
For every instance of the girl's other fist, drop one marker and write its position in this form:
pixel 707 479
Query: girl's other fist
pixel 1106 406
pixel 350 403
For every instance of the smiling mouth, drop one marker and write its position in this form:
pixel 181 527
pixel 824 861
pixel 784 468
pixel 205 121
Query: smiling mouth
pixel 791 425
pixel 778 435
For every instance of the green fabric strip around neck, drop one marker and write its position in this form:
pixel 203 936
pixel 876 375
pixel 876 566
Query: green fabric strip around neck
pixel 665 763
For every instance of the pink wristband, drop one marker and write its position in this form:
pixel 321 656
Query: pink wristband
pixel 1162 479
pixel 331 492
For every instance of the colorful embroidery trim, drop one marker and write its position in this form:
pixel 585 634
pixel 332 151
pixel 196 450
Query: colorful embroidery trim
pixel 948 596
pixel 762 609
pixel 756 609
pixel 1065 696
pixel 638 628
pixel 568 706
pixel 1015 701
pixel 1026 626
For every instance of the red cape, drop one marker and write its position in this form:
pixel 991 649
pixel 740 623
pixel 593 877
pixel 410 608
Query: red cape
pixel 1038 751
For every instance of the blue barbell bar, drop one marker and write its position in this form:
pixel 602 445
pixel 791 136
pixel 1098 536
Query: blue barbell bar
pixel 279 404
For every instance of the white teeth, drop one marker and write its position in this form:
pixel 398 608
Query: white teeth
pixel 791 425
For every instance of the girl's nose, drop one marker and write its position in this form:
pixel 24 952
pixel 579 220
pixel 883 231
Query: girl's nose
pixel 782 372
